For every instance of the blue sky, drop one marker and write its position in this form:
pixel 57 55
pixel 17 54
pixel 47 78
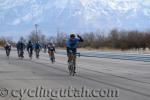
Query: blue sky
pixel 17 17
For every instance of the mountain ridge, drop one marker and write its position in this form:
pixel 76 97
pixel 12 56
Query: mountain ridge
pixel 74 15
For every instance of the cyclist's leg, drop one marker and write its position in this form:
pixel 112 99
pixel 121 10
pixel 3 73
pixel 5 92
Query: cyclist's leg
pixel 49 53
pixel 74 58
pixel 31 52
pixel 53 55
pixel 6 52
pixel 69 58
pixel 38 52
pixel 68 55
pixel 22 53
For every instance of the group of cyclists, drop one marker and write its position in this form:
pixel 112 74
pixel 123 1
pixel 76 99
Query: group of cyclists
pixel 71 48
pixel 30 47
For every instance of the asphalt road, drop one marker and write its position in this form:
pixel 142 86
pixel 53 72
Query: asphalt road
pixel 97 78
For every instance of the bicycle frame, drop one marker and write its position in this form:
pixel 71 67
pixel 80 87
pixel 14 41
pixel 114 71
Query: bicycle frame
pixel 72 62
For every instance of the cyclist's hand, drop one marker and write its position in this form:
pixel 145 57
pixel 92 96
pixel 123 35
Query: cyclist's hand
pixel 78 35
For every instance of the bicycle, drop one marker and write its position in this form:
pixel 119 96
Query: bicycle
pixel 72 62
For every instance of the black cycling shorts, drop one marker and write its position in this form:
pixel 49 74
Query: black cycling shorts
pixel 74 50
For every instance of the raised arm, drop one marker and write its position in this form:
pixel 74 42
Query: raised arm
pixel 80 38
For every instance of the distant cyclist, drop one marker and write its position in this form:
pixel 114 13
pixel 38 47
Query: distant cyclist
pixel 72 44
pixel 51 50
pixel 30 49
pixel 20 49
pixel 37 48
pixel 7 48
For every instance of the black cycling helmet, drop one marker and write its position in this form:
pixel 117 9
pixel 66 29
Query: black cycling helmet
pixel 72 35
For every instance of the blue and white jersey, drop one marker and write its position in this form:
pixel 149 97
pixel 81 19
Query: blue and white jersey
pixel 72 43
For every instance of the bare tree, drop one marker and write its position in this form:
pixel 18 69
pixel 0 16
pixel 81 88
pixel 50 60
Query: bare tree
pixel 34 37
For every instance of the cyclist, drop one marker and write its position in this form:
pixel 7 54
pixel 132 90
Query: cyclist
pixel 72 44
pixel 51 50
pixel 30 49
pixel 7 48
pixel 37 48
pixel 20 49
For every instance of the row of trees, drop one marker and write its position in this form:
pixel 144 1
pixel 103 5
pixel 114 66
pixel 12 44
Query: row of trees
pixel 3 40
pixel 33 36
pixel 115 39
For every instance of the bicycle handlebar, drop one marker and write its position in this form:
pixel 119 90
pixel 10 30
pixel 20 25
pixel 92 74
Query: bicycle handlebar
pixel 78 54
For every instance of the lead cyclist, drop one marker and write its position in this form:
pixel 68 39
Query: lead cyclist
pixel 72 44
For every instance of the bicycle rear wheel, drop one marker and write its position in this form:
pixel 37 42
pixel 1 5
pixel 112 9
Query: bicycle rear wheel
pixel 71 69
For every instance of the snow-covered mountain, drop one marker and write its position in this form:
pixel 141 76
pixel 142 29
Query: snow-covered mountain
pixel 19 16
